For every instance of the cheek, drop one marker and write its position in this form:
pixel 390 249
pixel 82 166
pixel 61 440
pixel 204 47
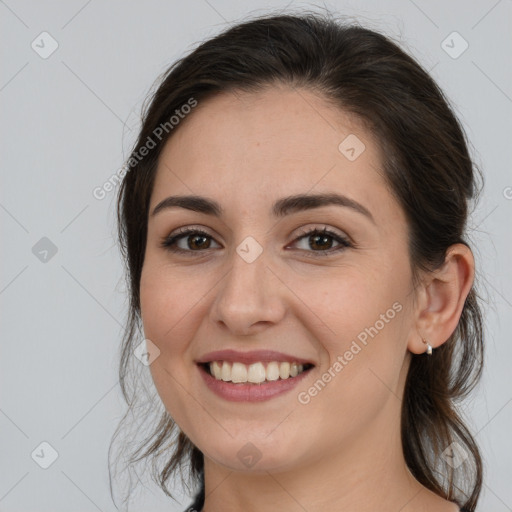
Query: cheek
pixel 365 317
pixel 167 300
pixel 364 356
pixel 168 307
pixel 352 304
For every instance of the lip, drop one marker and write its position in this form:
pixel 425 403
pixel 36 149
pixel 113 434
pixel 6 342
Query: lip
pixel 253 356
pixel 241 392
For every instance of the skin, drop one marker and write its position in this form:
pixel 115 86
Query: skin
pixel 342 450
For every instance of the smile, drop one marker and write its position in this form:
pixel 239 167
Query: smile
pixel 255 373
pixel 246 391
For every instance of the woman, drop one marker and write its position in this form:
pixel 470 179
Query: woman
pixel 293 222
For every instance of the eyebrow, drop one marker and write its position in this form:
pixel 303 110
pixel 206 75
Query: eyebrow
pixel 281 208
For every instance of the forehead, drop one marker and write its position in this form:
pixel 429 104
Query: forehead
pixel 267 144
pixel 277 122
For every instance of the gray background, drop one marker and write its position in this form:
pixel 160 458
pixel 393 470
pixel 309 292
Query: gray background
pixel 67 123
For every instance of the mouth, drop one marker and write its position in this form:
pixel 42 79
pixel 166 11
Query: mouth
pixel 260 372
pixel 255 376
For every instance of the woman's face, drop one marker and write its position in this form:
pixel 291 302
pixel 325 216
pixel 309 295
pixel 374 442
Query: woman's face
pixel 258 286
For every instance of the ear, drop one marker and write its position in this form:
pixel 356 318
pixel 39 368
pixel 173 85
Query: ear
pixel 441 297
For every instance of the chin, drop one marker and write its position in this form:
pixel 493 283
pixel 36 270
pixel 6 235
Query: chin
pixel 251 454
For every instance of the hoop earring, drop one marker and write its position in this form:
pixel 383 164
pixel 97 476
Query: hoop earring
pixel 429 347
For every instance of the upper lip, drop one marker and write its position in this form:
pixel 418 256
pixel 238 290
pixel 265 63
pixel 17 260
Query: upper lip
pixel 253 356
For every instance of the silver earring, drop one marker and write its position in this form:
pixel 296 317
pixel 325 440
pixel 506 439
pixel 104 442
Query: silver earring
pixel 429 347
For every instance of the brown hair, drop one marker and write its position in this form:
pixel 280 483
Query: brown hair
pixel 427 166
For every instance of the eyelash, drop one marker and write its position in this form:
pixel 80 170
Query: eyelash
pixel 169 243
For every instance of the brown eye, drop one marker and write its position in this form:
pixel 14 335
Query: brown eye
pixel 197 240
pixel 321 242
pixel 318 242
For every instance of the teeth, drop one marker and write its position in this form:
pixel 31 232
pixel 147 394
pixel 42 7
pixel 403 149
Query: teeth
pixel 272 371
pixel 284 370
pixel 238 372
pixel 216 370
pixel 255 373
pixel 226 371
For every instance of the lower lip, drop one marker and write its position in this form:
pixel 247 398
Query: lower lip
pixel 241 392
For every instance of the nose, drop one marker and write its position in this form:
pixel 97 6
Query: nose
pixel 250 297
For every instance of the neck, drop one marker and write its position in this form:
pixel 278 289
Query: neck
pixel 364 474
